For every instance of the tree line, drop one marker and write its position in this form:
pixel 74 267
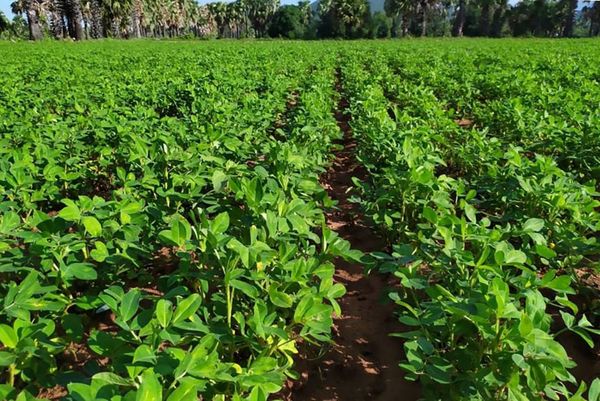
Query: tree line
pixel 349 19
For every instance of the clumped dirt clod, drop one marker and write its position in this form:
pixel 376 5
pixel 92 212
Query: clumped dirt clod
pixel 362 364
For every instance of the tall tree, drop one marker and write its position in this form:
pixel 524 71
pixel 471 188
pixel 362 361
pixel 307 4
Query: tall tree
pixel 423 9
pixel 96 28
pixel 72 11
pixel 499 18
pixel 218 12
pixel 260 13
pixel 33 10
pixel 288 22
pixel 403 10
pixel 484 20
pixel 591 14
pixel 305 11
pixel 345 17
pixel 570 10
pixel 4 23
pixel 459 18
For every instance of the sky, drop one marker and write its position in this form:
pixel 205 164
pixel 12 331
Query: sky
pixel 5 7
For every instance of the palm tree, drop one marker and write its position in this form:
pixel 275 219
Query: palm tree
pixel 306 11
pixel 96 28
pixel 260 13
pixel 206 23
pixel 86 17
pixel 115 15
pixel 346 16
pixel 73 15
pixel 423 9
pixel 484 20
pixel 569 21
pixel 33 9
pixel 137 15
pixel 460 18
pixel 499 18
pixel 218 12
pixel 55 15
pixel 592 14
pixel 400 8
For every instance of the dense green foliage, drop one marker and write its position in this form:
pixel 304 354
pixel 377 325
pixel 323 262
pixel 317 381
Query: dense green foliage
pixel 482 162
pixel 161 230
pixel 162 226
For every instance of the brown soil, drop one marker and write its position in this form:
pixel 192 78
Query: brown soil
pixel 362 364
pixel 464 123
pixel 76 355
pixel 52 393
pixel 589 277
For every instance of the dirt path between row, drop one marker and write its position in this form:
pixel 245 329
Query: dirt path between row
pixel 362 364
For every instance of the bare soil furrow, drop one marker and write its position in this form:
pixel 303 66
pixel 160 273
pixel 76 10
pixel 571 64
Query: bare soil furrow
pixel 362 364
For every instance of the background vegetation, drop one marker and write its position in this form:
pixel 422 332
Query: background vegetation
pixel 93 19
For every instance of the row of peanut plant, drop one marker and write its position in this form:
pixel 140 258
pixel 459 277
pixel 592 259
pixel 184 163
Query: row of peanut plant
pixel 481 176
pixel 545 100
pixel 161 225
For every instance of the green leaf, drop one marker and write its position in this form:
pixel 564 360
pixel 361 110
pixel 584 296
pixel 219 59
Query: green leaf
pixel 302 308
pixel 219 178
pixel 439 370
pixel 430 214
pixel 220 224
pixel 279 298
pixel 6 359
pixel 545 252
pixel 240 249
pixel 514 257
pixel 567 318
pixel 164 312
pixel 561 284
pixel 181 230
pixel 336 291
pixel 73 326
pixel 519 360
pixel 594 393
pixel 185 391
pixel 70 213
pixel 92 226
pixel 9 222
pixel 150 388
pixel 533 225
pixel 166 237
pixel 525 325
pixel 471 213
pixel 112 378
pixel 81 392
pixel 129 304
pixel 81 271
pixel 100 253
pixel 144 354
pixel 186 308
pixel 8 337
pixel 244 287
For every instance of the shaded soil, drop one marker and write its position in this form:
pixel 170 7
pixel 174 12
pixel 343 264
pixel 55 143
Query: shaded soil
pixel 587 359
pixel 362 364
